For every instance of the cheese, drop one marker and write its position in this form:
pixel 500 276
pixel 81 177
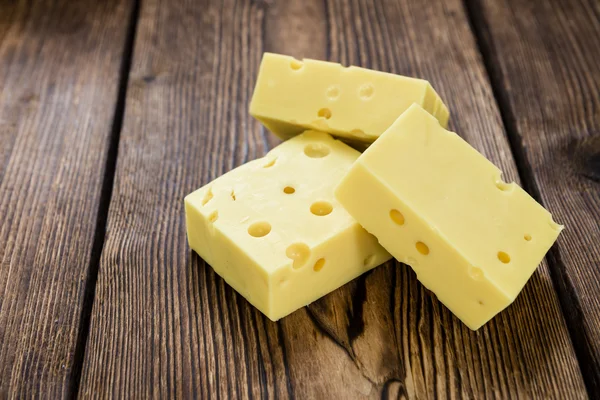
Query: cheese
pixel 437 204
pixel 355 104
pixel 274 231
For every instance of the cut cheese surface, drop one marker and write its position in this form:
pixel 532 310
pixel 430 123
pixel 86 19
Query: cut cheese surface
pixel 274 231
pixel 355 104
pixel 437 204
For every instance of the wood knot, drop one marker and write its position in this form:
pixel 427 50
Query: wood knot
pixel 29 97
pixel 585 154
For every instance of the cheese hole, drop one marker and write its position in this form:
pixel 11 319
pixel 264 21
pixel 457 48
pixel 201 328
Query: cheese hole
pixel 397 217
pixel 366 91
pixel 316 150
pixel 422 248
pixel 207 197
pixel 333 92
pixel 299 252
pixel 505 187
pixel 480 302
pixel 527 237
pixel 213 216
pixel 321 208
pixel 324 113
pixel 270 163
pixel 413 262
pixel 475 273
pixel 319 264
pixel 368 261
pixel 296 65
pixel 288 190
pixel 555 226
pixel 232 194
pixel 259 229
pixel 503 257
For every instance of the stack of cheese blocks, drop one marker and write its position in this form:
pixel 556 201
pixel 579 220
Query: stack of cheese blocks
pixel 315 213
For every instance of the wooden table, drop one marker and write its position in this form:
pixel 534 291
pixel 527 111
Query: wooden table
pixel 112 111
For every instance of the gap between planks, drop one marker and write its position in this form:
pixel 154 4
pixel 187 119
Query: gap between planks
pixel 104 203
pixel 569 303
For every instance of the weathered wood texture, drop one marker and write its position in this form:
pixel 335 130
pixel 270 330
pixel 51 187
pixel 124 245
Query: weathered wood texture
pixel 164 324
pixel 544 58
pixel 59 71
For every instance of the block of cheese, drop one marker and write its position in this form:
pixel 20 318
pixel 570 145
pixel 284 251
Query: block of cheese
pixel 274 231
pixel 437 204
pixel 355 104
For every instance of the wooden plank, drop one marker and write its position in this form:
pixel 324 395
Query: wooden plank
pixel 544 60
pixel 164 324
pixel 59 73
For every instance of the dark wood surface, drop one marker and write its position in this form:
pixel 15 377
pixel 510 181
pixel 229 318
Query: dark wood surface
pixel 59 73
pixel 522 84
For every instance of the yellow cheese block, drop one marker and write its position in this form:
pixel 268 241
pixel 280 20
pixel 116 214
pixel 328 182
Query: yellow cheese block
pixel 437 204
pixel 274 231
pixel 355 104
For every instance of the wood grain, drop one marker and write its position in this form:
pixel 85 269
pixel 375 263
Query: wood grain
pixel 163 324
pixel 544 60
pixel 59 73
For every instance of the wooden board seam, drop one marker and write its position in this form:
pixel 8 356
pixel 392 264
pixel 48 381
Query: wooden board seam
pixel 104 204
